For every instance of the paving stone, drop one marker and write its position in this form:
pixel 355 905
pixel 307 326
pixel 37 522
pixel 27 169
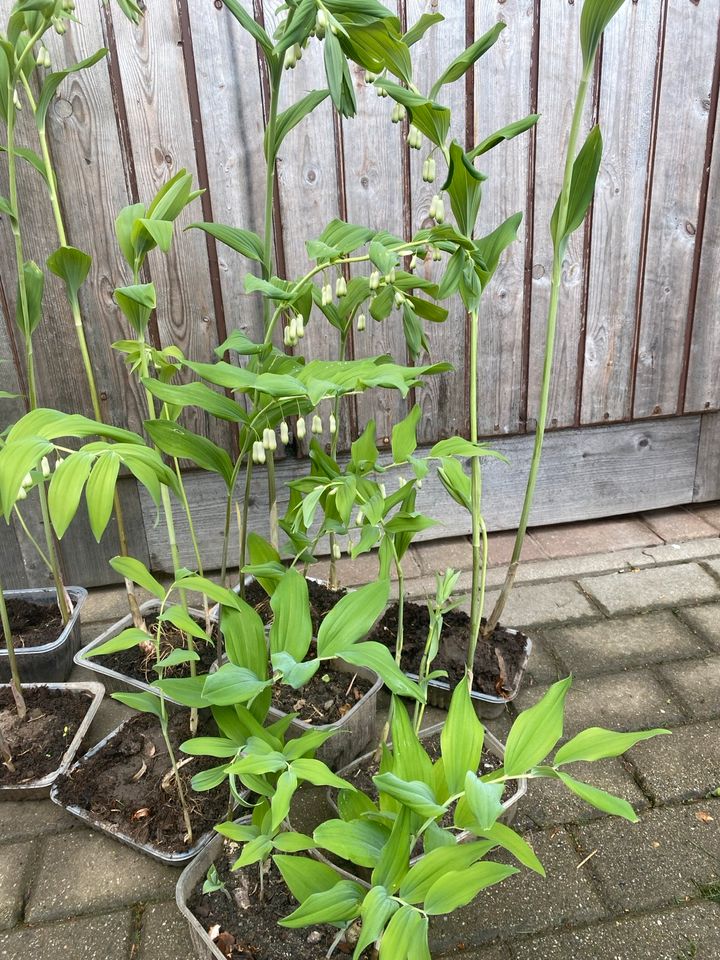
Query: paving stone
pixel 14 861
pixel 106 937
pixel 108 604
pixel 438 555
pixel 527 902
pixel 108 718
pixel 686 933
pixel 704 620
pixel 624 643
pixel 26 819
pixel 698 685
pixel 548 802
pixel 619 701
pixel 680 767
pixel 710 512
pixel 714 566
pixel 68 880
pixel 498 951
pixel 353 573
pixel 656 587
pixel 678 524
pixel 501 546
pixel 542 666
pixel 534 604
pixel 661 860
pixel 594 536
pixel 164 934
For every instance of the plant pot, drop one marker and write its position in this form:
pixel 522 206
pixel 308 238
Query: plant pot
pixel 39 789
pixel 116 682
pixel 112 830
pixel 51 662
pixel 487 706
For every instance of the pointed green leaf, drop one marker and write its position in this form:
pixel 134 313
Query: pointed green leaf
pixel 100 492
pixel 595 16
pixel 596 743
pixel 599 799
pixel 457 888
pixel 467 58
pixel 339 904
pixel 135 570
pixel 352 618
pixel 461 739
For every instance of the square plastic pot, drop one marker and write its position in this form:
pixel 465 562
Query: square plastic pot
pixel 39 789
pixel 111 829
pixel 52 662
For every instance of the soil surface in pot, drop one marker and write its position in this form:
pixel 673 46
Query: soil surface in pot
pixel 32 624
pixel 497 661
pixel 245 928
pixel 328 696
pixel 322 600
pixel 38 743
pixel 122 785
pixel 138 663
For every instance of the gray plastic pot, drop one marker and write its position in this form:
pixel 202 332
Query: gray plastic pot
pixel 39 789
pixel 487 706
pixel 52 662
pixel 116 682
pixel 111 829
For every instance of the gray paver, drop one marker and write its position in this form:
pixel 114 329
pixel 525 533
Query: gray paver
pixel 534 604
pixel 595 536
pixel 620 701
pixel 624 643
pixel 658 861
pixel 549 802
pixel 698 685
pixel 680 767
pixel 498 951
pixel 25 819
pixel 704 620
pixel 87 938
pixel 14 860
pixel 686 933
pixel 164 934
pixel 526 902
pixel 641 590
pixel 68 880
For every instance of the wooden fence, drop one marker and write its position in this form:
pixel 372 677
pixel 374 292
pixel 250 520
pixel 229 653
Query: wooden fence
pixel 636 382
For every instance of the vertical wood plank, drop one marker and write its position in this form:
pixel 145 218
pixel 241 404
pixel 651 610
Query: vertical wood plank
pixel 707 471
pixel 689 53
pixel 629 53
pixel 506 65
pixel 560 67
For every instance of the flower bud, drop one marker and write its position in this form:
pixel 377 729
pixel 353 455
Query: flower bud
pixel 21 494
pixel 399 298
pixel 431 169
pixel 391 277
pixel 340 287
pixel 374 282
pixel 300 428
pixel 400 481
pixel 333 424
pixel 336 552
pixel 419 484
pixel 383 493
pixel 414 262
pixel 326 295
pixel 381 92
pixel 317 426
pixel 256 447
pixel 432 212
pixel 414 138
pixel 361 322
pixel 45 467
pixel 440 211
pixel 60 27
pixel 58 461
pixel 268 441
pixel 321 23
pixel 27 481
pixel 299 327
pixel 370 77
pixel 350 546
pixel 284 433
pixel 437 254
pixel 290 59
pixel 16 100
pixel 359 517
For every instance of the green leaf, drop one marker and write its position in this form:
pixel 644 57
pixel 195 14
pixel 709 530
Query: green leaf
pixel 135 570
pixel 377 908
pixel 177 441
pixel 183 621
pixel 196 395
pixel 27 154
pixel 423 874
pixel 460 447
pixel 72 266
pixel 53 81
pixel 508 132
pixel 596 743
pixel 338 76
pixel 359 841
pixel 418 30
pixel 244 242
pixel 208 779
pixel 263 553
pixel 305 877
pixel 394 860
pixel 125 640
pixel 483 800
pixel 256 851
pixel 295 674
pixel 244 635
pixel 340 903
pixel 17 458
pixel 459 887
pixel 291 117
pixel 536 731
pixel 241 344
pixel 248 23
pixel 460 65
pixel 144 702
pixel 377 657
pixel 149 232
pixel 456 482
pixel 461 739
pixel 137 302
pixel 100 492
pixel 219 747
pixel 239 832
pixel 282 797
pixel 599 799
pixel 491 247
pixel 187 691
pixel 415 794
pixel 65 489
pixel 410 759
pixel 506 838
pixel 34 282
pixel 582 186
pixel 318 773
pixel 291 629
pixel 595 16
pixel 176 656
pixel 404 436
pixel 403 937
pixel 429 117
pixel 464 187
pixel 351 618
pixel 230 685
pixel 382 257
pixel 221 595
pixel 345 237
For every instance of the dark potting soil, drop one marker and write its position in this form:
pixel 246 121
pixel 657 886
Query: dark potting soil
pixel 244 927
pixel 328 696
pixel 497 660
pixel 38 742
pixel 138 663
pixel 122 785
pixel 322 600
pixel 32 624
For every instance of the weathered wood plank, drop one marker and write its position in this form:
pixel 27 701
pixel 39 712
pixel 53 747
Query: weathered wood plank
pixel 14 574
pixel 628 60
pixel 677 175
pixel 707 474
pixel 559 71
pixel 586 473
pixel 502 312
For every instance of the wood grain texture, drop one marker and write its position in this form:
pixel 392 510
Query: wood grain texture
pixel 587 473
pixel 629 54
pixel 677 175
pixel 707 473
pixel 559 72
pixel 508 65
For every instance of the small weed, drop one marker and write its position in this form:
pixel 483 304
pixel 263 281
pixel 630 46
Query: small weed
pixel 710 891
pixel 689 952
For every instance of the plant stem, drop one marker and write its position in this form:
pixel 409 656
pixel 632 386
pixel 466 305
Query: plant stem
pixel 245 513
pixel 272 497
pixel 62 599
pixel 271 133
pixel 15 683
pixel 558 253
pixel 332 575
pixel 476 497
pixel 176 772
pixel 31 538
